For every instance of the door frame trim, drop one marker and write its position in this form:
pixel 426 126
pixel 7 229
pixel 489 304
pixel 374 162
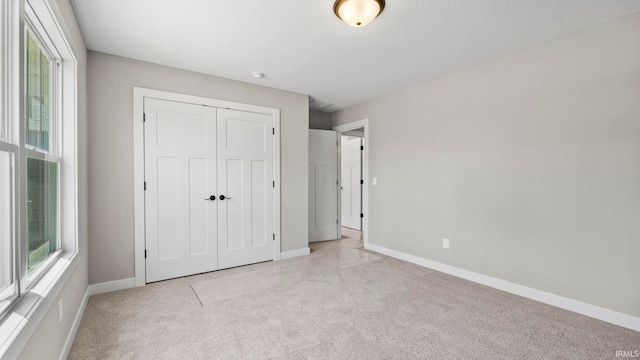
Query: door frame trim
pixel 365 175
pixel 139 94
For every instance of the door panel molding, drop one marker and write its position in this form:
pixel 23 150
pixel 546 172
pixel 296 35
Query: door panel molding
pixel 139 95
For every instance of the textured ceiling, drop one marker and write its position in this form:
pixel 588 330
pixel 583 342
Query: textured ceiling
pixel 301 46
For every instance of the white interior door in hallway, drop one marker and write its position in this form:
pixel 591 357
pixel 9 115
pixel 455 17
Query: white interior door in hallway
pixel 209 193
pixel 323 185
pixel 351 184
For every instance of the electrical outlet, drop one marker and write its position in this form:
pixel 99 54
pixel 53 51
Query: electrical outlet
pixel 445 243
pixel 60 311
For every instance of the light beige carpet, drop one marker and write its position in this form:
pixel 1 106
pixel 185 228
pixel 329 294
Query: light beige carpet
pixel 341 302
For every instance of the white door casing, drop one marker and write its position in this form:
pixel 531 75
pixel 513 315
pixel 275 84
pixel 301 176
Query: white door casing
pixel 245 175
pixel 351 176
pixel 180 174
pixel 323 185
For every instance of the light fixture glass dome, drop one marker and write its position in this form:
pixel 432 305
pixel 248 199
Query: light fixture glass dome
pixel 358 13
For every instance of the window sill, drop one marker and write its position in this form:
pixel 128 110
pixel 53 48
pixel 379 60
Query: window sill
pixel 22 321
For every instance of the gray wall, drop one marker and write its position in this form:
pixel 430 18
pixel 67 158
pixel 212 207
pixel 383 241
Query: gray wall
pixel 529 164
pixel 111 80
pixel 319 120
pixel 48 340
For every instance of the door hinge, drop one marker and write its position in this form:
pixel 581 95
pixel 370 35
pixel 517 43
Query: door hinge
pixel 145 253
pixel 273 130
pixel 274 183
pixel 361 148
pixel 144 117
pixel 361 182
pixel 337 221
pixel 274 237
pixel 145 186
pixel 361 215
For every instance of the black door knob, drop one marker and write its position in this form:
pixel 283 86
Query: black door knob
pixel 212 198
pixel 222 197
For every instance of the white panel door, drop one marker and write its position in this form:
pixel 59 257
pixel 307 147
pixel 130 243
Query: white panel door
pixel 180 176
pixel 351 184
pixel 323 185
pixel 245 180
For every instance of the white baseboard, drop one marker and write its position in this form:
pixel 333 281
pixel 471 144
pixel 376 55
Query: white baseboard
pixel 294 253
pixel 110 286
pixel 596 312
pixel 74 328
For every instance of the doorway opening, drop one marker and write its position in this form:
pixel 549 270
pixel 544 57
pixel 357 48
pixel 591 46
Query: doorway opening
pixel 351 183
pixel 353 168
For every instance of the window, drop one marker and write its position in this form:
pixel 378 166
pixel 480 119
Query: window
pixel 37 68
pixel 42 211
pixel 42 160
pixel 38 187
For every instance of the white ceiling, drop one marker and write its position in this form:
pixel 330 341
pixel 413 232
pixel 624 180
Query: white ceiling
pixel 301 46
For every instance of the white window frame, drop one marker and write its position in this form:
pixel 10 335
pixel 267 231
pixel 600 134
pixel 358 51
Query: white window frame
pixel 37 291
pixel 39 33
pixel 10 294
pixel 8 137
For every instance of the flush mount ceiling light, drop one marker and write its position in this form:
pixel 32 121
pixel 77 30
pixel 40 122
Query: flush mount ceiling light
pixel 358 13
